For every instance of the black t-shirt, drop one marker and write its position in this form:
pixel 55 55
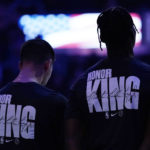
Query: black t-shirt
pixel 112 101
pixel 31 117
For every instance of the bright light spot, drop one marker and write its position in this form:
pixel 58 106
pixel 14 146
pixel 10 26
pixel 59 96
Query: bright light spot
pixel 68 31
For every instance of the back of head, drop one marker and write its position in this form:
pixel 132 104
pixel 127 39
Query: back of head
pixel 116 27
pixel 36 51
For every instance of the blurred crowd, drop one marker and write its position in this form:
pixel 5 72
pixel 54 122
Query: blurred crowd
pixel 67 68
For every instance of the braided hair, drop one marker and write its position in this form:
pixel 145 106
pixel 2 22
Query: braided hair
pixel 115 25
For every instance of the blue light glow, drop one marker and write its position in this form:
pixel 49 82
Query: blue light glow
pixel 68 31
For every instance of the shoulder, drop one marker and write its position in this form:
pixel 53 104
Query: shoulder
pixel 142 65
pixel 5 88
pixel 56 96
pixel 82 79
pixel 34 91
pixel 99 65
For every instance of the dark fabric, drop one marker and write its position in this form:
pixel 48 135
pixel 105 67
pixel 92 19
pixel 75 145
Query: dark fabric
pixel 31 117
pixel 112 101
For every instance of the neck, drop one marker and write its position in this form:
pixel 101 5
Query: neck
pixel 27 75
pixel 116 51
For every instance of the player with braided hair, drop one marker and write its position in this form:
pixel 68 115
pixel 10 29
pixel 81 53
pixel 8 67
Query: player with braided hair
pixel 109 106
pixel 117 28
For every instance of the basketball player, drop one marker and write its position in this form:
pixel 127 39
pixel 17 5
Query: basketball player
pixel 31 116
pixel 109 106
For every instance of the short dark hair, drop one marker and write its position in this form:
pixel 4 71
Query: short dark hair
pixel 116 25
pixel 36 51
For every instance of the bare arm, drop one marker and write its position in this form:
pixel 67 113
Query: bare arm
pixel 146 143
pixel 72 134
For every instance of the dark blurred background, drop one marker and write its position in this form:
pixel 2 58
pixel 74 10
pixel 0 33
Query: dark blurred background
pixel 68 66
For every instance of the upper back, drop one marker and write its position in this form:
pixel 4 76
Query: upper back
pixel 113 99
pixel 30 114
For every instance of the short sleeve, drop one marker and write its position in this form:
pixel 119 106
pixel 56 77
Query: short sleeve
pixel 73 109
pixel 59 125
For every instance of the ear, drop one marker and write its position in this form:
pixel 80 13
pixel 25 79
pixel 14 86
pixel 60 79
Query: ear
pixel 48 64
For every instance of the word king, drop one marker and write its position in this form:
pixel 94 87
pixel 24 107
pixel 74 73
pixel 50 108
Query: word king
pixel 105 93
pixel 16 121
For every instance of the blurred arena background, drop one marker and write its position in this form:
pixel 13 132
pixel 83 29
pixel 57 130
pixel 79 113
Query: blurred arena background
pixel 70 27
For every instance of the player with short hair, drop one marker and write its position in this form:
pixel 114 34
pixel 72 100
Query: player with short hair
pixel 109 105
pixel 31 116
